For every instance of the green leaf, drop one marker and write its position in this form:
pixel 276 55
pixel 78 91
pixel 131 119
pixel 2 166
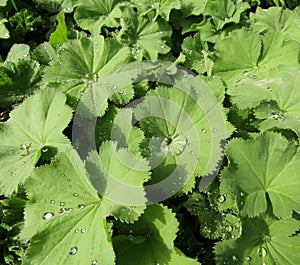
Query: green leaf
pixel 117 125
pixel 92 15
pixel 264 240
pixel 145 38
pixel 24 139
pixel 65 218
pixel 4 33
pixel 265 167
pixel 3 2
pixel 18 80
pixel 50 5
pixel 275 99
pixel 244 51
pixel 119 175
pixel 60 35
pixel 190 7
pixel 84 62
pixel 184 134
pixel 276 19
pixel 157 8
pixel 196 56
pixel 225 12
pixel 150 239
pixel 44 53
pixel 17 52
pixel 213 224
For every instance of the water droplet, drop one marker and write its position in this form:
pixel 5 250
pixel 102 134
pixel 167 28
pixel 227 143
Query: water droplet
pixel 76 230
pixel 80 206
pixel 61 204
pixel 23 163
pixel 235 258
pixel 221 198
pixel 114 87
pixel 12 174
pixel 73 251
pixel 75 194
pixel 162 46
pixel 52 201
pixel 269 88
pixel 204 130
pixel 25 55
pixel 83 230
pixel 242 194
pixel 262 252
pixel 277 115
pixel 248 259
pixel 48 216
pixel 174 146
pixel 94 262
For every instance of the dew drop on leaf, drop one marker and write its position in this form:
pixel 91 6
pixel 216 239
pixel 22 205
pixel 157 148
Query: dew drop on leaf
pixel 204 130
pixel 12 174
pixel 61 204
pixel 75 194
pixel 52 201
pixel 73 251
pixel 76 230
pixel 80 206
pixel 94 262
pixel 262 252
pixel 235 258
pixel 248 259
pixel 221 198
pixel 48 216
pixel 83 230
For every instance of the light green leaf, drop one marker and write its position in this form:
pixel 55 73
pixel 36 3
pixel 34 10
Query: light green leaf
pixel 184 134
pixel 34 128
pixel 17 52
pixel 264 167
pixel 225 12
pixel 60 35
pixel 3 2
pixel 121 129
pixel 213 224
pixel 64 217
pixel 80 63
pixel 92 15
pixel 4 33
pixel 157 8
pixel 191 7
pixel 196 57
pixel 275 99
pixel 18 80
pixel 244 51
pixel 149 240
pixel 264 240
pixel 144 37
pixel 119 175
pixel 276 19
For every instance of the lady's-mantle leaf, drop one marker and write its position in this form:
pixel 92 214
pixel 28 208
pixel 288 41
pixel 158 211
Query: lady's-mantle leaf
pixel 266 167
pixel 119 175
pixel 245 51
pixel 185 133
pixel 145 38
pixel 64 217
pixel 264 240
pixel 35 127
pixel 149 240
pixel 92 15
pixel 81 62
pixel 275 99
pixel 277 19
